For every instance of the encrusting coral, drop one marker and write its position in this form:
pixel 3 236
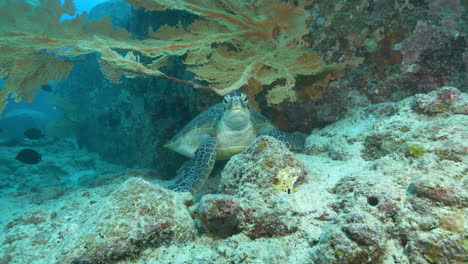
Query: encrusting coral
pixel 232 45
pixel 255 188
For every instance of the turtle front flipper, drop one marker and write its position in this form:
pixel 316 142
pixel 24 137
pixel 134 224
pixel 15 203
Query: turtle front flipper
pixel 292 141
pixel 194 173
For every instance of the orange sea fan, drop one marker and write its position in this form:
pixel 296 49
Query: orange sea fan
pixel 240 41
pixel 234 43
pixel 32 38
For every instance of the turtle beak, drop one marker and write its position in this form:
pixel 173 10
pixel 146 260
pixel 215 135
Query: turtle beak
pixel 236 104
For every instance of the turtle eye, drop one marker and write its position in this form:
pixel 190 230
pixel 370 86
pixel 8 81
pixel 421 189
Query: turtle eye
pixel 226 100
pixel 245 100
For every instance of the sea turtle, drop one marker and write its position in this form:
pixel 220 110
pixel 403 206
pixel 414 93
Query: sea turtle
pixel 218 133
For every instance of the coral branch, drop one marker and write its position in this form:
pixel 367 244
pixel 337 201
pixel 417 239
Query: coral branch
pixel 232 44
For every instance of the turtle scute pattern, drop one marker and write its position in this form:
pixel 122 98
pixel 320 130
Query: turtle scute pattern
pixel 199 166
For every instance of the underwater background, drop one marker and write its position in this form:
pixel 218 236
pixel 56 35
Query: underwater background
pixel 91 91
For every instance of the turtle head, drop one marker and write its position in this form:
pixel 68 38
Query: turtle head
pixel 236 110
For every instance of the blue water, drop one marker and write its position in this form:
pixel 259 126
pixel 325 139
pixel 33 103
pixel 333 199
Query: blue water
pixel 86 5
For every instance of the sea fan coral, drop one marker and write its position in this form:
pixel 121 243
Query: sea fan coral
pixel 234 43
pixel 33 42
pixel 237 42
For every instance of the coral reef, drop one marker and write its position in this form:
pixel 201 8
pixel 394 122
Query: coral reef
pixel 382 179
pixel 266 167
pixel 383 185
pixel 220 215
pixel 407 47
pixel 380 35
pixel 446 100
pixel 252 185
pixel 409 198
pixel 135 216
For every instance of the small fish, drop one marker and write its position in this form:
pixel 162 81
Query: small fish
pixel 33 133
pixel 46 87
pixel 1 130
pixel 29 156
